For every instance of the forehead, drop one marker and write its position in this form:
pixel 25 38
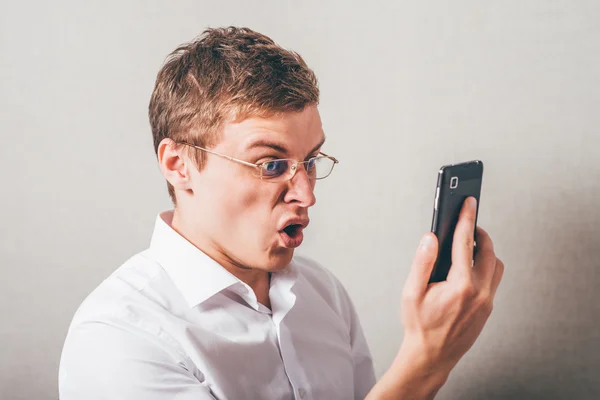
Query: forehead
pixel 291 133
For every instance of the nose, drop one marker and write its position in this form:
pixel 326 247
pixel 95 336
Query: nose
pixel 301 189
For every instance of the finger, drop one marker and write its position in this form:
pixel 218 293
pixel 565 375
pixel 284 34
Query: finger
pixel 420 271
pixel 462 244
pixel 498 273
pixel 485 259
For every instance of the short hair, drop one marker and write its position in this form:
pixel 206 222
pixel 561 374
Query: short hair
pixel 225 75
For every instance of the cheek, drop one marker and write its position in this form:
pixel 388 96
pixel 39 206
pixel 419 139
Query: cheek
pixel 247 206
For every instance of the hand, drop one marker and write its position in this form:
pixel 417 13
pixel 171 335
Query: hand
pixel 442 320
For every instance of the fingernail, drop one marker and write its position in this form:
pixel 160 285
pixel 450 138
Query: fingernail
pixel 472 203
pixel 426 241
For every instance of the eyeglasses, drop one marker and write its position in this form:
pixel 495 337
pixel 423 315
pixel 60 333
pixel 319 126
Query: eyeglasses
pixel 282 170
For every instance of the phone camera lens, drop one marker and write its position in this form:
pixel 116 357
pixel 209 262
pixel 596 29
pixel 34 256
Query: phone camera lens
pixel 454 182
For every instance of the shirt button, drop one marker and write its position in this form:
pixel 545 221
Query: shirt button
pixel 302 393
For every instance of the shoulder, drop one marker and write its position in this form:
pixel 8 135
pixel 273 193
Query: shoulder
pixel 136 299
pixel 118 343
pixel 126 283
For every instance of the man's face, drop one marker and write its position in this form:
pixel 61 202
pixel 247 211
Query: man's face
pixel 245 219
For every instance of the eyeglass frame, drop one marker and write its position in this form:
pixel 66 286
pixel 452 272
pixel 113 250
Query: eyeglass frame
pixel 292 170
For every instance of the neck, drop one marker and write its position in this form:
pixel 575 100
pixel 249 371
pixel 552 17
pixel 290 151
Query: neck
pixel 258 280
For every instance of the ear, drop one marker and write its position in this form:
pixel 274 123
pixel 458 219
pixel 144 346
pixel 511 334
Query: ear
pixel 174 165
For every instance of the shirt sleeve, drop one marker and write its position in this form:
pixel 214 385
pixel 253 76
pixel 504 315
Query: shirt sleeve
pixel 102 361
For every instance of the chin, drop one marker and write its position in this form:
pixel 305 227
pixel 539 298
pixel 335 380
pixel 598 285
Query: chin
pixel 280 260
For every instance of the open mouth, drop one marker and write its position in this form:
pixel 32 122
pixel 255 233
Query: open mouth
pixel 292 235
pixel 293 229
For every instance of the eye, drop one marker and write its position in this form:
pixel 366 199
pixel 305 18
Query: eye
pixel 274 168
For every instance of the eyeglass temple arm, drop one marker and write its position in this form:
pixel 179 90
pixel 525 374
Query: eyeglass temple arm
pixel 335 160
pixel 223 155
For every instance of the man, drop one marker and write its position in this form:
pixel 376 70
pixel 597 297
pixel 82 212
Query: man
pixel 218 307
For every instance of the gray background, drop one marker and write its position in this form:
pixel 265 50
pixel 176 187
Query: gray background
pixel 406 87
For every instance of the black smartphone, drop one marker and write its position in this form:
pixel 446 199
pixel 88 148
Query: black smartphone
pixel 455 184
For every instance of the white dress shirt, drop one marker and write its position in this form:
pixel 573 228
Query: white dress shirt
pixel 171 323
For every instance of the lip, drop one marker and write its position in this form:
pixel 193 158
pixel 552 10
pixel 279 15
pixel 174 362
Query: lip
pixel 293 242
pixel 294 221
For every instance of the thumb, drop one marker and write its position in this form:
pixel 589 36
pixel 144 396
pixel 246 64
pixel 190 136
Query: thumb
pixel 422 265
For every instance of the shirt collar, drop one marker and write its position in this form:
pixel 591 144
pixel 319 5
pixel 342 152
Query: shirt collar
pixel 197 276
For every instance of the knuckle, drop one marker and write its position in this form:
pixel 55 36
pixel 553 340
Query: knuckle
pixel 466 291
pixel 484 240
pixel 490 308
pixel 499 265
pixel 486 257
pixel 482 234
pixel 484 301
pixel 491 259
pixel 468 241
pixel 470 216
pixel 486 305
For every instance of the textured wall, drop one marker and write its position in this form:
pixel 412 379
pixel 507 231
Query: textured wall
pixel 406 87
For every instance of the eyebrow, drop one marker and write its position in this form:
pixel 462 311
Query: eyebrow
pixel 278 147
